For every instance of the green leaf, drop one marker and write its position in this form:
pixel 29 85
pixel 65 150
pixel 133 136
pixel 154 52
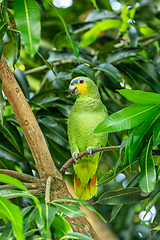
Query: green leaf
pixel 123 196
pixel 76 235
pixel 16 38
pixel 7 232
pixel 48 213
pixel 129 143
pixel 27 17
pixel 154 197
pixel 22 80
pixel 148 173
pixel 140 97
pixel 10 193
pixel 70 210
pixel 111 71
pixel 64 109
pixel 3 29
pixel 142 72
pixel 140 136
pixel 115 211
pixel 11 133
pixel 2 103
pixel 72 43
pixel 14 181
pixel 8 151
pixel 48 64
pixel 52 130
pixel 106 178
pixel 126 118
pixel 13 213
pixel 61 226
pixel 122 54
pixel 156 133
pixel 85 69
pixel 80 201
pixel 90 36
pixel 94 4
pixel 121 151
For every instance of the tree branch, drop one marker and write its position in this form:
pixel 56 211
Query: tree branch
pixel 23 176
pixel 27 185
pixel 28 123
pixel 85 153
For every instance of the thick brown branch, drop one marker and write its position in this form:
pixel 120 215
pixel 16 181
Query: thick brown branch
pixel 85 153
pixel 23 176
pixel 28 123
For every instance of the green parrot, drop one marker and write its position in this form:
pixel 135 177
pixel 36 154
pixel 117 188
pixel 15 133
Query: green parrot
pixel 87 112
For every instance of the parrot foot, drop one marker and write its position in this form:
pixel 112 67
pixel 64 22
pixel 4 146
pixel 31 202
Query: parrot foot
pixel 90 151
pixel 75 157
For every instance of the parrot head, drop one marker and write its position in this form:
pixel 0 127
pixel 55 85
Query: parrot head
pixel 83 86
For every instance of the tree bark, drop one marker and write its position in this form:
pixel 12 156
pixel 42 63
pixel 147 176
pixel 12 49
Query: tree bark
pixel 37 144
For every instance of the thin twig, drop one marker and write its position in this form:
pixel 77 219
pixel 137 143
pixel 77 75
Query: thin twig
pixel 20 175
pixel 41 68
pixel 85 153
pixel 48 189
pixel 27 185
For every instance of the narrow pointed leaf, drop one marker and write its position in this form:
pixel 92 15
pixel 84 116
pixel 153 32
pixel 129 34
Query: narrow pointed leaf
pixel 140 137
pixel 148 173
pixel 129 143
pixel 14 181
pixel 122 54
pixel 111 174
pixel 52 130
pixel 48 64
pixel 140 97
pixel 72 43
pixel 156 133
pixel 77 236
pixel 12 135
pixel 123 196
pixel 142 72
pixel 91 35
pixel 8 151
pixel 94 4
pixel 13 213
pixel 80 201
pixel 10 193
pixel 126 118
pixel 61 226
pixel 115 211
pixel 70 210
pixel 111 71
pixel 27 17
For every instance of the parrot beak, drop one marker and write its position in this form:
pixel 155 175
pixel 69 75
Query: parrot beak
pixel 72 89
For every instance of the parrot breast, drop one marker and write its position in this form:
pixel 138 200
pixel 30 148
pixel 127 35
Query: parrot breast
pixel 84 117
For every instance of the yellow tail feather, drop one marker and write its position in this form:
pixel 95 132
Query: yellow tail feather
pixel 88 192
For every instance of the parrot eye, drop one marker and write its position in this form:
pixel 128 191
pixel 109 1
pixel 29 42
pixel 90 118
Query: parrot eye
pixel 81 81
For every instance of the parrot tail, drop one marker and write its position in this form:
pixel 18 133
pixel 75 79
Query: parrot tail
pixel 89 191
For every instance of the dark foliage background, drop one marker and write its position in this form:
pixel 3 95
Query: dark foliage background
pixel 116 44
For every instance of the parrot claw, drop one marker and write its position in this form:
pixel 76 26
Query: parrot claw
pixel 75 157
pixel 90 151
